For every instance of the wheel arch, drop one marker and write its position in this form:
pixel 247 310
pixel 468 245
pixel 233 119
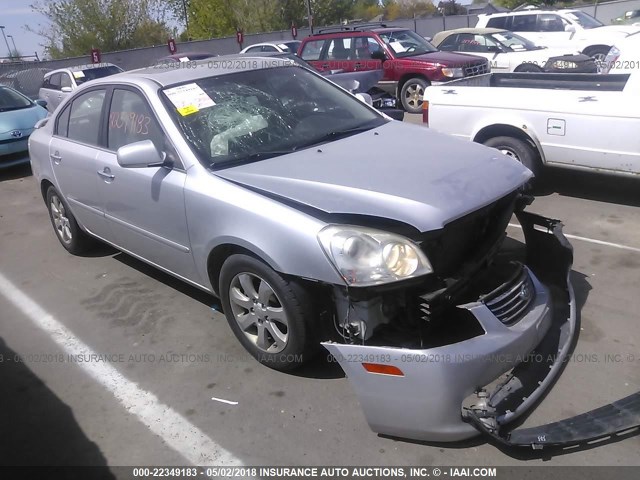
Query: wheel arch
pixel 221 252
pixel 596 46
pixel 408 76
pixel 44 186
pixel 504 129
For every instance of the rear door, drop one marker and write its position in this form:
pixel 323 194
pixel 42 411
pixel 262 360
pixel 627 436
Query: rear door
pixel 73 150
pixel 144 207
pixel 51 91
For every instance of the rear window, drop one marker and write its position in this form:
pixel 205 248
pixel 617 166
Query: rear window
pixel 82 76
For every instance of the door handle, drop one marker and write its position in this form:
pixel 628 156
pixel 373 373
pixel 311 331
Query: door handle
pixel 106 174
pixel 324 65
pixel 56 157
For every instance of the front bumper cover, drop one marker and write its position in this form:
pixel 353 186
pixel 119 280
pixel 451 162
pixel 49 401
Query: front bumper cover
pixel 426 401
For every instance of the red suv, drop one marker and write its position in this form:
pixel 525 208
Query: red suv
pixel 409 61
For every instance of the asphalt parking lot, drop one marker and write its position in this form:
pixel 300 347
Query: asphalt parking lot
pixel 171 353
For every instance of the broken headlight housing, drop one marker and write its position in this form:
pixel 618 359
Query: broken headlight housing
pixel 365 256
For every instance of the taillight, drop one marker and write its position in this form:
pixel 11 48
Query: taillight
pixel 425 112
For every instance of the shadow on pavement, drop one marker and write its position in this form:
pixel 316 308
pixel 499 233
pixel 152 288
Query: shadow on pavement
pixel 14 173
pixel 38 429
pixel 594 186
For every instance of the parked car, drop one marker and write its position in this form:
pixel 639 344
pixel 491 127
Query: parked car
pixel 57 84
pixel 409 62
pixel 571 121
pixel 509 52
pixel 184 57
pixel 570 28
pixel 18 116
pixel 629 17
pixel 290 46
pixel 355 82
pixel 624 56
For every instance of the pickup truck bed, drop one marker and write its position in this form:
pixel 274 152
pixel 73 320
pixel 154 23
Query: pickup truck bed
pixel 580 121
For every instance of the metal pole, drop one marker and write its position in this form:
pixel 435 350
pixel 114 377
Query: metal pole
pixel 310 16
pixel 5 41
pixel 15 50
pixel 186 17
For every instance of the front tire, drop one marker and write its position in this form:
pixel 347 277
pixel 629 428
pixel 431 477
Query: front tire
pixel 519 150
pixel 272 317
pixel 412 94
pixel 69 233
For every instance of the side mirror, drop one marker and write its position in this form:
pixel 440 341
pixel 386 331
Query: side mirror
pixel 379 55
pixel 66 89
pixel 570 28
pixel 365 97
pixel 140 155
pixel 41 102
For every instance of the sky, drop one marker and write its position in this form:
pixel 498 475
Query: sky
pixel 14 15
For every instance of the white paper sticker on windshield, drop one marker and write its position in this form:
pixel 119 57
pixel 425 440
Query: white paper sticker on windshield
pixel 189 98
pixel 397 47
pixel 78 74
pixel 184 59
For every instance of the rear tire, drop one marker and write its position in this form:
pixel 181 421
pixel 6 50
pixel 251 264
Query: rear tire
pixel 598 54
pixel 69 233
pixel 519 150
pixel 272 317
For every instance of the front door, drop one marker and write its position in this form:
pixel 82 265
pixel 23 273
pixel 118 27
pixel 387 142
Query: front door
pixel 144 207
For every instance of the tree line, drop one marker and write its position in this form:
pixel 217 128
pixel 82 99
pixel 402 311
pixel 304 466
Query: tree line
pixel 76 26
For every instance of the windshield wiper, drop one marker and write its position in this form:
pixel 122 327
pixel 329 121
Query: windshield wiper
pixel 251 157
pixel 335 134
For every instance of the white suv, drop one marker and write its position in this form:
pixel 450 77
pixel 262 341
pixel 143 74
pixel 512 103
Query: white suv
pixel 561 28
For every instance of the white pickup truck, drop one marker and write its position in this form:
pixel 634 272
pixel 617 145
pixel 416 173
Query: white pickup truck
pixel 581 121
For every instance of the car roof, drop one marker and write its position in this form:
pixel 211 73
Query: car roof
pixel 77 68
pixel 440 36
pixel 223 65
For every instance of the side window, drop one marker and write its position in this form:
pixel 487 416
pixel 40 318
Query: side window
pixel 365 46
pixel 84 119
pixel 65 80
pixel 269 48
pixel 131 120
pixel 339 49
pixel 450 44
pixel 46 83
pixel 54 81
pixel 548 22
pixel 62 125
pixel 312 50
pixel 524 23
pixel 254 49
pixel 497 22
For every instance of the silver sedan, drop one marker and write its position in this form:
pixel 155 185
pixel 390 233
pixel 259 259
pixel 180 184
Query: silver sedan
pixel 316 219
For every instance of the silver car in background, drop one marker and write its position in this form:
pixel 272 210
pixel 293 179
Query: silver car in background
pixel 57 84
pixel 317 220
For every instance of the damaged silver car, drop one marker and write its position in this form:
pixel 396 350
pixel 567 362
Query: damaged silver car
pixel 319 221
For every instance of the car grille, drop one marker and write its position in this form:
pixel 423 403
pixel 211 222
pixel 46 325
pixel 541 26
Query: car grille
pixel 476 69
pixel 511 300
pixel 468 238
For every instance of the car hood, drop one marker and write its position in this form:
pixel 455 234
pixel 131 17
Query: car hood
pixel 609 29
pixel 402 172
pixel 450 59
pixel 23 119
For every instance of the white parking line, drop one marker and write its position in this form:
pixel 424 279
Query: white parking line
pixel 180 434
pixel 592 240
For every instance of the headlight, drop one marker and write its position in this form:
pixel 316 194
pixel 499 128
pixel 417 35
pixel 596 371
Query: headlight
pixel 452 72
pixel 560 64
pixel 365 257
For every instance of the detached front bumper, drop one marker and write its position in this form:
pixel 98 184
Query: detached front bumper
pixel 420 393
